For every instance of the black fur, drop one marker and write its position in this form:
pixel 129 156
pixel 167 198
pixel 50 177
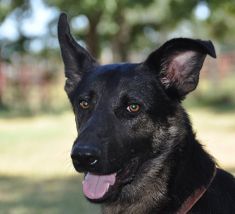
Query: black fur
pixel 158 159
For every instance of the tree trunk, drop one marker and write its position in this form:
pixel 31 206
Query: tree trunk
pixel 92 35
pixel 120 43
pixel 2 84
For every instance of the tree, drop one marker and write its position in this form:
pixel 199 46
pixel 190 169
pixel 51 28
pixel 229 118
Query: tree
pixel 129 25
pixel 98 12
pixel 6 7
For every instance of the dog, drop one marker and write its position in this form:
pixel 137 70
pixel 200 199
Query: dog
pixel 136 146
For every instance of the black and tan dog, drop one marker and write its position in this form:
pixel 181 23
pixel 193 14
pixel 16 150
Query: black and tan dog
pixel 136 146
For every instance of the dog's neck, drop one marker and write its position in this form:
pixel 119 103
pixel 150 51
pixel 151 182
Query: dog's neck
pixel 174 183
pixel 195 196
pixel 194 170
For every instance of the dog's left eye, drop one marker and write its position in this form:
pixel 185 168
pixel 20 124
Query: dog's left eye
pixel 84 104
pixel 133 108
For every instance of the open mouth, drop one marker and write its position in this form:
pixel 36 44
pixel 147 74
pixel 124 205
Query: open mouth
pixel 99 187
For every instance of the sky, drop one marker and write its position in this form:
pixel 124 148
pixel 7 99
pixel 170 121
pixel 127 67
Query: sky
pixel 33 25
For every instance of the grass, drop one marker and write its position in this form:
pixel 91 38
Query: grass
pixel 56 195
pixel 36 175
pixel 216 131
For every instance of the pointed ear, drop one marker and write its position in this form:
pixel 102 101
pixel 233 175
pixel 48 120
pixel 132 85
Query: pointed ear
pixel 76 59
pixel 178 63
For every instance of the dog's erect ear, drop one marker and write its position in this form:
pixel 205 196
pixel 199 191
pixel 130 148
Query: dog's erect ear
pixel 178 63
pixel 76 59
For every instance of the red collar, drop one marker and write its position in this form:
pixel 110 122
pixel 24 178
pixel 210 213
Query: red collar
pixel 193 198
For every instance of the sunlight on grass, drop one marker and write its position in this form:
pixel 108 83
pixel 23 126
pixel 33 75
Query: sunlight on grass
pixel 217 132
pixel 37 146
pixel 36 174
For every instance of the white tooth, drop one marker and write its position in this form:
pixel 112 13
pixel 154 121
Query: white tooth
pixel 94 162
pixel 85 177
pixel 107 188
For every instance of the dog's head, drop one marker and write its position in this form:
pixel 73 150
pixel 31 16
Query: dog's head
pixel 123 111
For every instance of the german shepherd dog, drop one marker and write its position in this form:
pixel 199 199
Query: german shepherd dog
pixel 136 146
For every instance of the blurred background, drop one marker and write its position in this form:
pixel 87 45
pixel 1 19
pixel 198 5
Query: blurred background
pixel 36 123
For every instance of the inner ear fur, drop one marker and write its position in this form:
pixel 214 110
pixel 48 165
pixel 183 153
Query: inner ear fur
pixel 178 63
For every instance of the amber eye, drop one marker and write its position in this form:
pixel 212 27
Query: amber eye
pixel 84 104
pixel 134 108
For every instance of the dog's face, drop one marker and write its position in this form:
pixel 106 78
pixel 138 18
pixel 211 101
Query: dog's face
pixel 122 111
pixel 113 106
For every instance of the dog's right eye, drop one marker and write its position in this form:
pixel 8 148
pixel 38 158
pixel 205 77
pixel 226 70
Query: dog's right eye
pixel 84 104
pixel 133 108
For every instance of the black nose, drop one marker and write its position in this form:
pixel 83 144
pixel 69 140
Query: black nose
pixel 85 157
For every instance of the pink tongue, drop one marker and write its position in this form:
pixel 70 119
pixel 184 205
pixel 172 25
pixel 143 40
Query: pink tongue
pixel 95 186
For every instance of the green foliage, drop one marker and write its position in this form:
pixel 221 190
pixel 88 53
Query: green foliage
pixel 6 7
pixel 126 26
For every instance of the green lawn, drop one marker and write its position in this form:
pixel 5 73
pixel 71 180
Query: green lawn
pixel 36 175
pixel 30 195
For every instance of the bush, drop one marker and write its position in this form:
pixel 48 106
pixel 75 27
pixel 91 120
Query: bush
pixel 218 94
